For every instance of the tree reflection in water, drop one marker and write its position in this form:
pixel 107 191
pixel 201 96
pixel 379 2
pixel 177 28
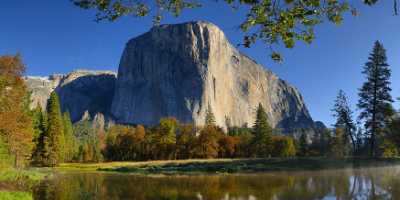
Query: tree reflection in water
pixel 370 183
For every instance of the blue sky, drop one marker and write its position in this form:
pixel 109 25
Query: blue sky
pixel 53 36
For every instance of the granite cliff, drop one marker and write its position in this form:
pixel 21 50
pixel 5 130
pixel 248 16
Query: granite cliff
pixel 178 70
pixel 85 94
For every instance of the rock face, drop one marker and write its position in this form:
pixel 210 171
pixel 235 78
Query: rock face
pixel 178 70
pixel 85 94
pixel 41 87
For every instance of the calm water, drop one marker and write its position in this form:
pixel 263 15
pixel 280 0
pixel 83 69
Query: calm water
pixel 371 183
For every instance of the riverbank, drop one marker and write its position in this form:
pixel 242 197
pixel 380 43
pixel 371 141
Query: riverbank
pixel 230 165
pixel 18 184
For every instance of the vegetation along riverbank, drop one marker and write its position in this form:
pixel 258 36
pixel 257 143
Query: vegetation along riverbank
pixel 19 184
pixel 195 166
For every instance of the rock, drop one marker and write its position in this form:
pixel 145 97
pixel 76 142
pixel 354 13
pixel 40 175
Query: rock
pixel 80 92
pixel 178 70
pixel 40 88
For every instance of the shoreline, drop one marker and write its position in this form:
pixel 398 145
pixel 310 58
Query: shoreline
pixel 230 166
pixel 31 177
pixel 19 183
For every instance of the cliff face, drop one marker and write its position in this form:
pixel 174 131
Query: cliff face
pixel 41 87
pixel 178 70
pixel 85 94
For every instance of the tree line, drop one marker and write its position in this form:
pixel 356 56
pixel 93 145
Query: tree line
pixel 33 136
pixel 171 140
pixel 376 131
pixel 47 137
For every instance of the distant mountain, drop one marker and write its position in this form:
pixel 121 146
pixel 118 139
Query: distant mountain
pixel 85 94
pixel 178 70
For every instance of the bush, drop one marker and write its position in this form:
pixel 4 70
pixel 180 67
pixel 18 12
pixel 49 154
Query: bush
pixel 283 146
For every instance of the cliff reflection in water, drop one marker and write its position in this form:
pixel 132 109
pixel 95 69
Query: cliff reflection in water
pixel 371 183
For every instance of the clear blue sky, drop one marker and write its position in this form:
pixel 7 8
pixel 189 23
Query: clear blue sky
pixel 53 36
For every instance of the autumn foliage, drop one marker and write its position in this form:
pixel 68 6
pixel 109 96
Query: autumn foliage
pixel 15 122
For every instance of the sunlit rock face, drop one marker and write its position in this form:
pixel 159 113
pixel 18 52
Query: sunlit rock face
pixel 178 70
pixel 85 94
pixel 41 87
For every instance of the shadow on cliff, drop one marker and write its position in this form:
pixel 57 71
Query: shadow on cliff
pixel 91 94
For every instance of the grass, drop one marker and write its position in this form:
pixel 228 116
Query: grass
pixel 18 184
pixel 230 165
pixel 15 195
pixel 114 165
pixel 26 177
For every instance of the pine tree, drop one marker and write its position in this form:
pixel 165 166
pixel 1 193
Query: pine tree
pixel 42 150
pixel 375 96
pixel 69 138
pixel 40 128
pixel 262 133
pixel 344 119
pixel 55 141
pixel 210 118
pixel 37 117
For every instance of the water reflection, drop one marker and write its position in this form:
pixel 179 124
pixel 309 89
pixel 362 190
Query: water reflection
pixel 372 183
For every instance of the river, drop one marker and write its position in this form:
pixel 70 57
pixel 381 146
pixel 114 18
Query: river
pixel 367 183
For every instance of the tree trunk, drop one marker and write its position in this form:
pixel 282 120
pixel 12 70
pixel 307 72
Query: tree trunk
pixel 373 128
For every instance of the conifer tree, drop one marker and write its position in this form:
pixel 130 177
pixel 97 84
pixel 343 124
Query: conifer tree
pixel 375 96
pixel 42 150
pixel 37 117
pixel 55 141
pixel 344 120
pixel 262 133
pixel 210 118
pixel 69 138
pixel 40 128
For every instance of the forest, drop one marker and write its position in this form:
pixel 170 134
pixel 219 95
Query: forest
pixel 47 137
